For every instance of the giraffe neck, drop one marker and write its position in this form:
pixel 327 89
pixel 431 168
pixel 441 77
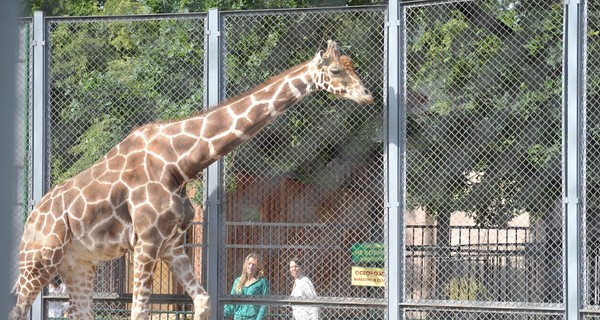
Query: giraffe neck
pixel 222 129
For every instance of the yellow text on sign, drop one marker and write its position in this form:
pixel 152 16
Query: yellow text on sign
pixel 370 277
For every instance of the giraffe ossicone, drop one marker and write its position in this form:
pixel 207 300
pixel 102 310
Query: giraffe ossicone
pixel 134 200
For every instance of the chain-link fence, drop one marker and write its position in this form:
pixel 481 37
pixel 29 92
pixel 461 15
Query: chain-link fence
pixel 591 215
pixel 309 186
pixel 22 154
pixel 483 150
pixel 106 77
pixel 483 216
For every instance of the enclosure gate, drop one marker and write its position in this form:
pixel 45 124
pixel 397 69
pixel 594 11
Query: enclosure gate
pixel 468 190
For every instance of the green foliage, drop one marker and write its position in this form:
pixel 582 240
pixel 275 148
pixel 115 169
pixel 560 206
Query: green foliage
pixel 449 61
pixel 60 7
pixel 91 146
pixel 120 7
pixel 592 106
pixel 130 73
pixel 491 73
pixel 542 155
pixel 262 4
pixel 321 129
pixel 196 189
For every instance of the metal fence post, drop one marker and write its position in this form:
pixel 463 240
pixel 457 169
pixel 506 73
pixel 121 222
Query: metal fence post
pixel 213 172
pixel 395 160
pixel 38 130
pixel 8 79
pixel 572 134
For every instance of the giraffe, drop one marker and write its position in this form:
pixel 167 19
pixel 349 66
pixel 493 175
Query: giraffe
pixel 134 200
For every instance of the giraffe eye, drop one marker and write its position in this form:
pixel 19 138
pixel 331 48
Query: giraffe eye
pixel 335 71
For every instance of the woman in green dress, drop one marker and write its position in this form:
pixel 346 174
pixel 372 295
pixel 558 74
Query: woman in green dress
pixel 252 282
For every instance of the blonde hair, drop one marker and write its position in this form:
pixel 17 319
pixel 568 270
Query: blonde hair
pixel 244 276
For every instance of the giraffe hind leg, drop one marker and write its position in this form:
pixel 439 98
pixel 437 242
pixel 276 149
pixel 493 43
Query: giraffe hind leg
pixel 26 291
pixel 78 276
pixel 36 270
pixel 40 252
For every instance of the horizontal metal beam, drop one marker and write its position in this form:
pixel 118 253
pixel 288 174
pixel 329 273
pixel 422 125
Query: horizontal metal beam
pixel 517 307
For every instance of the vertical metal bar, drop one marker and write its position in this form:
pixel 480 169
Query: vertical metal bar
pixel 573 98
pixel 395 160
pixel 39 106
pixel 38 130
pixel 213 173
pixel 8 78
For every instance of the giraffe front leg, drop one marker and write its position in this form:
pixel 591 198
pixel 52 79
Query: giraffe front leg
pixel 144 263
pixel 181 267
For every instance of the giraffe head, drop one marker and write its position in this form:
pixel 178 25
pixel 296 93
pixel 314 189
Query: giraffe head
pixel 335 73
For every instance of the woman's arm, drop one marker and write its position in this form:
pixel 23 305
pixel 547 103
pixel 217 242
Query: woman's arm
pixel 229 308
pixel 308 289
pixel 264 292
pixel 311 293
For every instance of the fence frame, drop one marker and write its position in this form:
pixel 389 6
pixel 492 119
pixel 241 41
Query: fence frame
pixel 38 129
pixel 214 172
pixel 572 186
pixel 395 155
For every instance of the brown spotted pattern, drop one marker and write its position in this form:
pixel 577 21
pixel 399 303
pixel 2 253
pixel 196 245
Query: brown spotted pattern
pixel 133 199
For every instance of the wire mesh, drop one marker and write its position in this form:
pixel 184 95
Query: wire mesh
pixel 484 112
pixel 108 76
pixel 484 116
pixel 449 314
pixel 310 185
pixel 328 312
pixel 591 216
pixel 22 134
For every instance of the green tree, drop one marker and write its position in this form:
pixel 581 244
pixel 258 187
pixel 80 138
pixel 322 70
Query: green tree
pixel 304 142
pixel 486 139
pixel 132 72
pixel 493 123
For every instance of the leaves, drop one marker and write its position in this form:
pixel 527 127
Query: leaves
pixel 131 72
pixel 493 110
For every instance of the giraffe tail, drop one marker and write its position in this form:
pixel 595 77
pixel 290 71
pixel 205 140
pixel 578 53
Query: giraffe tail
pixel 16 287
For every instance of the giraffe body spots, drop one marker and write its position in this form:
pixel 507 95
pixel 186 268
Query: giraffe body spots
pixel 134 178
pixel 162 147
pixel 183 144
pixel 134 198
pixel 116 163
pixel 214 123
pixel 192 128
pixel 34 236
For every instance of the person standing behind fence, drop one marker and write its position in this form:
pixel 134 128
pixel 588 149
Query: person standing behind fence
pixel 303 287
pixel 251 282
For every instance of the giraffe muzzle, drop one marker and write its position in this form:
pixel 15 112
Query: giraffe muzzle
pixel 365 98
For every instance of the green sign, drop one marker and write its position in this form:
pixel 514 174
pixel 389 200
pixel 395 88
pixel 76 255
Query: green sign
pixel 368 252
